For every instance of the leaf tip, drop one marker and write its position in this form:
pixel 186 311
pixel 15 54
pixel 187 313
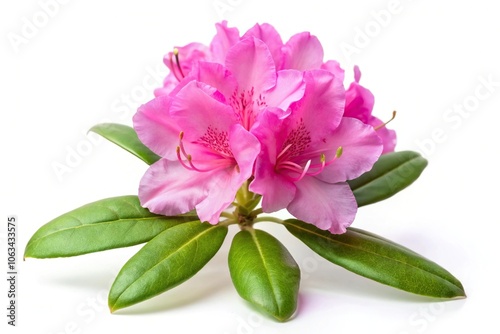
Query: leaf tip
pixel 112 308
pixel 283 318
pixel 462 296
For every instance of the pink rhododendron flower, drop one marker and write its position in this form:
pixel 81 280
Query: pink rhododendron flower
pixel 301 166
pixel 184 59
pixel 359 104
pixel 207 154
pixel 255 108
pixel 212 110
pixel 302 51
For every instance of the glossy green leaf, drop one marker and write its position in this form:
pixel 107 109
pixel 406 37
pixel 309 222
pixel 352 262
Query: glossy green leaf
pixel 126 137
pixel 379 259
pixel 264 273
pixel 166 261
pixel 390 174
pixel 105 224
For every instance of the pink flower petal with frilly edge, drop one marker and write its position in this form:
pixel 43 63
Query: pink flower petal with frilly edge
pixel 387 136
pixel 225 183
pixel 169 83
pixel 321 108
pixel 277 191
pixel 167 188
pixel 359 102
pixel 189 55
pixel 156 129
pixel 266 33
pixel 290 87
pixel 329 206
pixel 217 76
pixel 361 148
pixel 334 67
pixel 197 107
pixel 303 52
pixel 223 41
pixel 252 64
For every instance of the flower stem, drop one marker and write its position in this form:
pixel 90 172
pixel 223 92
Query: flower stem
pixel 227 215
pixel 228 222
pixel 268 219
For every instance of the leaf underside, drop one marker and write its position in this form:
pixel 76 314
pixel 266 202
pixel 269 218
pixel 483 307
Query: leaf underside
pixel 125 137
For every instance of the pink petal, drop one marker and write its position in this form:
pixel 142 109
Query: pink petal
pixel 223 41
pixel 290 87
pixel 276 190
pixel 155 127
pixel 225 183
pixel 303 52
pixel 357 74
pixel 217 76
pixel 321 108
pixel 359 102
pixel 168 188
pixel 245 148
pixel 189 55
pixel 169 84
pixel 387 136
pixel 197 107
pixel 334 67
pixel 328 206
pixel 361 149
pixel 221 193
pixel 266 33
pixel 252 64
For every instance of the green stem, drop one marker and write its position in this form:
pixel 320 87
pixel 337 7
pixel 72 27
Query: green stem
pixel 228 222
pixel 227 215
pixel 268 219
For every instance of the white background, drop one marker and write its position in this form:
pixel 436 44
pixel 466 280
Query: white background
pixel 79 67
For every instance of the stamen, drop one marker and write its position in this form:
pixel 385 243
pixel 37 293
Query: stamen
pixel 216 163
pixel 176 54
pixel 321 166
pixel 340 150
pixel 181 145
pixel 283 152
pixel 178 150
pixel 309 168
pixel 179 74
pixel 304 172
pixel 384 124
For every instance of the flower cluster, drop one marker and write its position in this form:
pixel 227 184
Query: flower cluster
pixel 253 111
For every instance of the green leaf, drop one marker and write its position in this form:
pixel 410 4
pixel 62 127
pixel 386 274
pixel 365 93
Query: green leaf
pixel 169 259
pixel 264 273
pixel 105 224
pixel 379 259
pixel 390 174
pixel 126 137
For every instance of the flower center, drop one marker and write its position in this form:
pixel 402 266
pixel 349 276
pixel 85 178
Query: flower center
pixel 217 153
pixel 246 106
pixel 291 163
